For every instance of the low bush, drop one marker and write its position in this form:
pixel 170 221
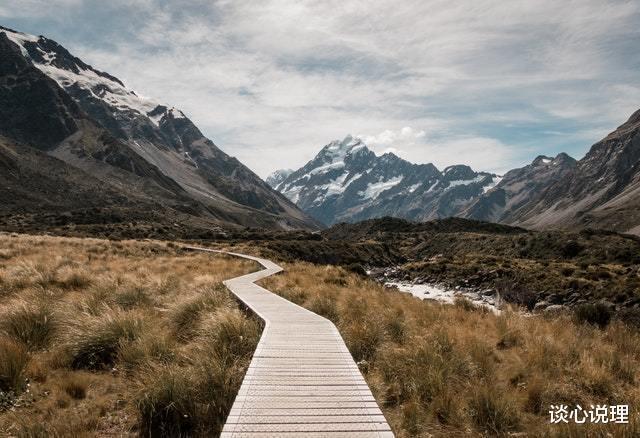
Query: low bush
pixel 596 314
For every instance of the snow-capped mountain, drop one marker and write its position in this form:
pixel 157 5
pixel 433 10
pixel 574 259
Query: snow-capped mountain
pixel 346 181
pixel 277 177
pixel 55 102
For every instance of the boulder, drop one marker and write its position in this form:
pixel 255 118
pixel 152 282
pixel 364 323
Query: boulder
pixel 555 308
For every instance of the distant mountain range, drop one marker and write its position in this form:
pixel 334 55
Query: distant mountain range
pixel 75 139
pixel 347 182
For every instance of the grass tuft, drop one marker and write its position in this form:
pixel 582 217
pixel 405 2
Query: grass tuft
pixel 13 361
pixel 33 325
pixel 95 343
pixel 492 412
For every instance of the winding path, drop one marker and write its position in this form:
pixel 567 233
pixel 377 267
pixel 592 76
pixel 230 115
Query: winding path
pixel 302 380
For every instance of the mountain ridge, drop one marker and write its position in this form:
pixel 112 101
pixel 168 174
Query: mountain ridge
pixel 348 181
pixel 53 101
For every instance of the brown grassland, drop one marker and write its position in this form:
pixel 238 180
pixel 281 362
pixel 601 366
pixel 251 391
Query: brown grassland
pixel 140 338
pixel 117 338
pixel 452 370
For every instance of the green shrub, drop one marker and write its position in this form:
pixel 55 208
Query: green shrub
pixel 596 314
pixel 571 249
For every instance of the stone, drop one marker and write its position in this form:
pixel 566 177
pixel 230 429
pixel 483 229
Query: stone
pixel 555 308
pixel 540 306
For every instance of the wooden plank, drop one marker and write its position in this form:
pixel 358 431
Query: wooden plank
pixel 302 380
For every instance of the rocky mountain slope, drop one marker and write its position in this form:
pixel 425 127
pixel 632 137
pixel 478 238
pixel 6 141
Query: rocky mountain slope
pixel 602 190
pixel 511 198
pixel 346 181
pixel 57 111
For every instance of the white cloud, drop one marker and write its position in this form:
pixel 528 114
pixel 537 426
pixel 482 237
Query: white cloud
pixel 393 141
pixel 481 153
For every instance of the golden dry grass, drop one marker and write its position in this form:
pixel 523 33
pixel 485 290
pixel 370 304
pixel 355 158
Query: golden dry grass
pixel 117 338
pixel 455 370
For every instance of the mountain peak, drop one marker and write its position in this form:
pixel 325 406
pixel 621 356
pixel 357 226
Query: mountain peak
pixel 347 181
pixel 342 147
pixel 560 159
pixel 541 160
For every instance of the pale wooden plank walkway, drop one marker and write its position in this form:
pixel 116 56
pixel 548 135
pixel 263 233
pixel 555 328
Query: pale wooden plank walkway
pixel 302 380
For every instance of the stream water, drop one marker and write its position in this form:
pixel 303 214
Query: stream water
pixel 447 296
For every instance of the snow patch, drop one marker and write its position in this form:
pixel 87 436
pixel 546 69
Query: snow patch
pixel 466 182
pixel 433 186
pixel 20 38
pixel 111 92
pixel 293 193
pixel 495 181
pixel 327 167
pixel 374 190
pixel 100 87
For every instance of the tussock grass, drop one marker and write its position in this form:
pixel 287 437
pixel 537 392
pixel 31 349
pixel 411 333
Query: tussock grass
pixel 193 399
pixel 456 370
pixel 32 324
pixel 185 318
pixel 493 412
pixel 118 338
pixel 75 385
pixel 13 361
pixel 95 341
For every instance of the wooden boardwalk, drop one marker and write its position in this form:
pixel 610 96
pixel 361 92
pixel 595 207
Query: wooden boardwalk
pixel 302 380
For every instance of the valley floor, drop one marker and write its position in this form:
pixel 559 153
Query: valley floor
pixel 140 338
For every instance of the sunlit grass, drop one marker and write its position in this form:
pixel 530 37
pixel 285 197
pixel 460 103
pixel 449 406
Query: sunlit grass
pixel 451 370
pixel 118 338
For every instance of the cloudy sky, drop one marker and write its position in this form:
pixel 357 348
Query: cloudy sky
pixel 487 83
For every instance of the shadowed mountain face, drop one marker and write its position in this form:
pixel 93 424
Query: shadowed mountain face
pixel 89 123
pixel 347 182
pixel 509 200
